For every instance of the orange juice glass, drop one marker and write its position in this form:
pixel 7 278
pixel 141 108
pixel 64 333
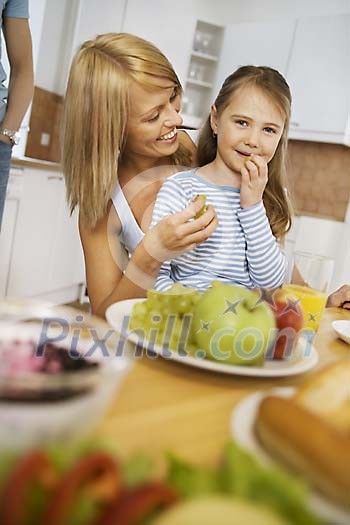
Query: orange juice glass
pixel 315 273
pixel 312 302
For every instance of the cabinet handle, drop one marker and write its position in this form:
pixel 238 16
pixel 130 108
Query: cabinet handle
pixel 55 177
pixel 295 124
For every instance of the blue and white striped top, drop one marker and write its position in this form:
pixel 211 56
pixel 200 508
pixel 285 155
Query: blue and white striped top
pixel 242 250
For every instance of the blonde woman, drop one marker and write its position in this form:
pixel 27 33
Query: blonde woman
pixel 121 141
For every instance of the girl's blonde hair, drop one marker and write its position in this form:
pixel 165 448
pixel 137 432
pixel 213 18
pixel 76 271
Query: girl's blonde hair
pixel 96 113
pixel 274 86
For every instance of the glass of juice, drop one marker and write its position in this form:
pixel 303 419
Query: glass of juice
pixel 314 274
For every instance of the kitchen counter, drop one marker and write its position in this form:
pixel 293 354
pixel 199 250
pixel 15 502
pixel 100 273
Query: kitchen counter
pixel 36 163
pixel 166 406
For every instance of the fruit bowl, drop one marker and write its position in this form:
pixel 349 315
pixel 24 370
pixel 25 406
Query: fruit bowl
pixel 54 391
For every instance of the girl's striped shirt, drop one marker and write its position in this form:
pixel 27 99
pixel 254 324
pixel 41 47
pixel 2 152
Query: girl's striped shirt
pixel 242 250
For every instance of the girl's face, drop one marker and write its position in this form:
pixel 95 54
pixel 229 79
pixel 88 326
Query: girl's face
pixel 250 124
pixel 154 117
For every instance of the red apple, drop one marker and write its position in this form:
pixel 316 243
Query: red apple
pixel 289 321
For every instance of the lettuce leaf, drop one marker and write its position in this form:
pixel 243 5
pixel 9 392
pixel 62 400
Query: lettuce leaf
pixel 137 470
pixel 241 475
pixel 190 481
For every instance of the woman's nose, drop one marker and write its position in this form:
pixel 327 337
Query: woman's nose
pixel 173 118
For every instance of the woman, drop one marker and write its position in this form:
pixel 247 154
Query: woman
pixel 120 143
pixel 121 140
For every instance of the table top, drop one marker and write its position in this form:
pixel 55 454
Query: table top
pixel 164 405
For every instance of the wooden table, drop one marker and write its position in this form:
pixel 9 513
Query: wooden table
pixel 168 406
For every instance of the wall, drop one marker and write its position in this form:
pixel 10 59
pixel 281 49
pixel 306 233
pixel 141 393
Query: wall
pixel 67 24
pixel 319 175
pixel 54 45
pixel 173 35
pixel 95 17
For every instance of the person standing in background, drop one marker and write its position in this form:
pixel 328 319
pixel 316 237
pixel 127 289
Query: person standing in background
pixel 15 100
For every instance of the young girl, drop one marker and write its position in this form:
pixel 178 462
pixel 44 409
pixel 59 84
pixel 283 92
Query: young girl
pixel 241 156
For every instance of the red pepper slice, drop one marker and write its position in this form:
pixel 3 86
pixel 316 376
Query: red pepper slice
pixel 136 504
pixel 97 465
pixel 34 466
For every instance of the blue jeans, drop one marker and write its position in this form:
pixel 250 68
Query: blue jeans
pixel 5 162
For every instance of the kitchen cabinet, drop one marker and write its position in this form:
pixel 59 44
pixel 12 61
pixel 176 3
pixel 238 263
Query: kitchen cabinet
pixel 67 263
pixel 229 48
pixel 6 237
pixel 46 258
pixel 319 77
pixel 13 195
pixel 257 44
pixel 313 54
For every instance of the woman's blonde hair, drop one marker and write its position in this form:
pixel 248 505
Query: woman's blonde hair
pixel 274 86
pixel 96 112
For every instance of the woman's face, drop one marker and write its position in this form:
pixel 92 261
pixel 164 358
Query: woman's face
pixel 154 117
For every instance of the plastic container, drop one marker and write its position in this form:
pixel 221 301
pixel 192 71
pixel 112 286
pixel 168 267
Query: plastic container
pixel 38 407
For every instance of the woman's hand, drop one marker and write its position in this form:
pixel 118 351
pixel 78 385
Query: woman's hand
pixel 340 298
pixel 177 234
pixel 254 179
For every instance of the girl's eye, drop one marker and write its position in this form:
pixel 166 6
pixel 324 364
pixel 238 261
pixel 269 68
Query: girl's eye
pixel 243 123
pixel 153 119
pixel 270 130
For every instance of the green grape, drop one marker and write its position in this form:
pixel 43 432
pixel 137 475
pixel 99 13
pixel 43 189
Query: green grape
pixel 203 208
pixel 178 299
pixel 139 310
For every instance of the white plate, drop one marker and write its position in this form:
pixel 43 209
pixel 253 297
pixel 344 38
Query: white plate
pixel 242 430
pixel 342 329
pixel 117 316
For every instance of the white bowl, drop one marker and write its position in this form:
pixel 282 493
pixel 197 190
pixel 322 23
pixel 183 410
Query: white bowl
pixel 26 424
pixel 342 329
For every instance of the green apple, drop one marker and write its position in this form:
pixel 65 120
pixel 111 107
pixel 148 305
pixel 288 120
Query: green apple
pixel 231 325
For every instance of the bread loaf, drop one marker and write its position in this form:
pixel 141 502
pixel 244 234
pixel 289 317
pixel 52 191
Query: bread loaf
pixel 328 395
pixel 310 432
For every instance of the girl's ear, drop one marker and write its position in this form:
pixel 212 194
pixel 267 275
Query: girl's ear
pixel 214 119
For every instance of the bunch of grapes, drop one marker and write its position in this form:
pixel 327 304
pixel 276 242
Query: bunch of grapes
pixel 165 318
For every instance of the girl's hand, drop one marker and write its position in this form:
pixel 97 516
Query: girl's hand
pixel 254 179
pixel 177 234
